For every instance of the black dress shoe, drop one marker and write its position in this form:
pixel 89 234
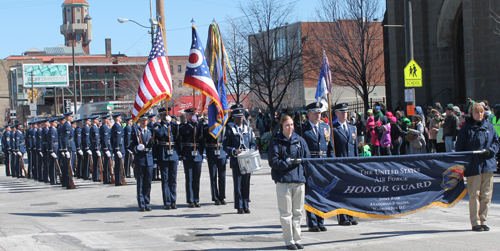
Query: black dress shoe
pixel 223 202
pixel 197 204
pixel 353 222
pixel 247 210
pixel 191 205
pixel 148 209
pixel 217 203
pixel 485 228
pixel 477 228
pixel 167 207
pixel 345 223
pixel 322 228
pixel 299 246
pixel 291 247
pixel 141 209
pixel 241 211
pixel 314 229
pixel 173 206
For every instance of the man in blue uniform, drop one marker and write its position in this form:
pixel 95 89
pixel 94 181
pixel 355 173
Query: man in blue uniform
pixel 216 157
pixel 127 133
pixel 95 148
pixel 151 124
pixel 29 141
pixel 21 146
pixel 39 145
pixel 45 150
pixel 13 153
pixel 192 155
pixel 33 146
pixel 72 148
pixel 6 149
pixel 239 137
pixel 66 133
pixel 141 147
pixel 317 134
pixel 52 150
pixel 105 139
pixel 78 145
pixel 85 145
pixel 117 147
pixel 167 153
pixel 345 146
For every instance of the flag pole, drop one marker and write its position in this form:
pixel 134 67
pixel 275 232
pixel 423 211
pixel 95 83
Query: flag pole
pixel 331 122
pixel 194 113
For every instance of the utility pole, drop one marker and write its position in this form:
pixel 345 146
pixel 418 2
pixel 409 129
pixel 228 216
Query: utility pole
pixel 74 80
pixel 160 12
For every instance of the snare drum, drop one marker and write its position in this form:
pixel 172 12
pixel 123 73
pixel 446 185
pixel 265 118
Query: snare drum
pixel 249 161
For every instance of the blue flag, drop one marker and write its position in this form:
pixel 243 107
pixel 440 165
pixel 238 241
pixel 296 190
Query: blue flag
pixel 386 186
pixel 324 83
pixel 214 121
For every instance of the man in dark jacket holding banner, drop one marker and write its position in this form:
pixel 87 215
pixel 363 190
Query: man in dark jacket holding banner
pixel 319 141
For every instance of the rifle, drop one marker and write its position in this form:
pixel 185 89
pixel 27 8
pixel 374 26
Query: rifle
pixel 58 168
pixel 91 163
pixel 122 172
pixel 132 160
pixel 100 167
pixel 111 165
pixel 22 164
pixel 70 174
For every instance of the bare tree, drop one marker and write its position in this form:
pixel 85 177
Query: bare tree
pixel 275 49
pixel 237 49
pixel 353 40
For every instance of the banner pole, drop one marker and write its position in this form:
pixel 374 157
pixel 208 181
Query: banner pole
pixel 331 123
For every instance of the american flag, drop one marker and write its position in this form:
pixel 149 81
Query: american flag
pixel 198 74
pixel 156 82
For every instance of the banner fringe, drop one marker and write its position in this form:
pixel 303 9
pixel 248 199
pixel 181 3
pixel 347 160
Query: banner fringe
pixel 382 217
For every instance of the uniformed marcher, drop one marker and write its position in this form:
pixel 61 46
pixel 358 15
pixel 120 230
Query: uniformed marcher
pixel 105 139
pixel 95 148
pixel 77 136
pixel 167 153
pixel 29 141
pixel 216 158
pixel 143 160
pixel 151 124
pixel 52 150
pixel 67 148
pixel 6 149
pixel 127 133
pixel 21 149
pixel 39 146
pixel 346 145
pixel 192 155
pixel 239 137
pixel 34 151
pixel 61 155
pixel 118 147
pixel 13 153
pixel 85 145
pixel 317 135
pixel 45 150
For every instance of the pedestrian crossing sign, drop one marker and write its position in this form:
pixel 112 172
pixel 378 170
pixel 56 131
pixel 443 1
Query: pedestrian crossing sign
pixel 413 75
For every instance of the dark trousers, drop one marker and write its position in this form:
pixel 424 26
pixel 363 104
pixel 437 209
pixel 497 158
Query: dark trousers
pixel 52 170
pixel 168 171
pixel 314 220
pixel 79 165
pixel 7 163
pixel 30 164
pixel 397 147
pixel 106 176
pixel 241 183
pixel 344 217
pixel 192 173
pixel 34 166
pixel 46 172
pixel 118 169
pixel 64 169
pixel 385 151
pixel 144 178
pixel 96 174
pixel 13 164
pixel 86 165
pixel 217 172
pixel 126 164
pixel 40 165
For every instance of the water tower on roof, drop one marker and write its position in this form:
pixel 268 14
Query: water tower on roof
pixel 77 24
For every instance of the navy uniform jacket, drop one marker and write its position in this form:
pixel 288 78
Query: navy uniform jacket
pixel 162 137
pixel 39 141
pixel 211 143
pixel 127 131
pixel 51 139
pixel 316 143
pixel 20 143
pixel 77 136
pixel 85 140
pixel 45 139
pixel 117 138
pixel 187 137
pixel 94 138
pixel 29 140
pixel 105 137
pixel 6 141
pixel 345 145
pixel 235 141
pixel 13 143
pixel 145 157
pixel 66 133
pixel 33 137
pixel 72 144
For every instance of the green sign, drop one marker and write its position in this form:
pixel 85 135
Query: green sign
pixel 45 75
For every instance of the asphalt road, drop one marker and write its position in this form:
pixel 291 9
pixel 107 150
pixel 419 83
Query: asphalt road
pixel 37 216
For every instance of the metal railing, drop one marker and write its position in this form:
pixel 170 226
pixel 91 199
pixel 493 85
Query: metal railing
pixel 91 92
pixel 108 77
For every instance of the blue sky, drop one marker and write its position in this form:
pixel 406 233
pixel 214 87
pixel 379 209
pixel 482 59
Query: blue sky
pixel 35 23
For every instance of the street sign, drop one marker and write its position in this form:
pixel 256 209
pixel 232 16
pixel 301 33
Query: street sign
pixel 32 107
pixel 33 113
pixel 408 95
pixel 45 75
pixel 413 75
pixel 44 90
pixel 110 107
pixel 410 110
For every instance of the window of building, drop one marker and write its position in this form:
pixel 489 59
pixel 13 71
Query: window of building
pixel 95 85
pixel 108 98
pixel 85 9
pixel 88 70
pixel 171 69
pixel 89 86
pixel 96 99
pixel 82 70
pixel 106 70
pixel 180 83
pixel 78 21
pixel 83 86
pixel 115 71
pixel 77 9
pixel 179 68
pixel 68 10
pixel 107 85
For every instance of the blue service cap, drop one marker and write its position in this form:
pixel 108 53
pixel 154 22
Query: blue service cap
pixel 129 118
pixel 117 115
pixel 68 114
pixel 314 107
pixel 93 117
pixel 340 107
pixel 61 118
pixel 237 105
pixel 189 111
pixel 7 125
pixel 238 112
pixel 151 115
pixel 105 117
pixel 143 117
pixel 53 119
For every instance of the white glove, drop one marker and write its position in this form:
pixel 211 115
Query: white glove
pixel 179 162
pixel 140 147
pixel 108 153
pixel 195 118
pixel 53 155
pixel 41 154
pixel 98 153
pixel 227 161
pixel 20 154
pixel 89 152
pixel 68 155
pixel 119 155
pixel 129 151
pixel 168 119
pixel 80 152
pixel 155 166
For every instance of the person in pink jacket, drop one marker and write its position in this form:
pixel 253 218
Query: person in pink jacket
pixel 370 127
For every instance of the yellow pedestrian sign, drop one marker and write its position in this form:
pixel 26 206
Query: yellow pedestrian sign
pixel 413 75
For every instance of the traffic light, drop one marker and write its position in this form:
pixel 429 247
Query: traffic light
pixel 30 96
pixel 35 93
